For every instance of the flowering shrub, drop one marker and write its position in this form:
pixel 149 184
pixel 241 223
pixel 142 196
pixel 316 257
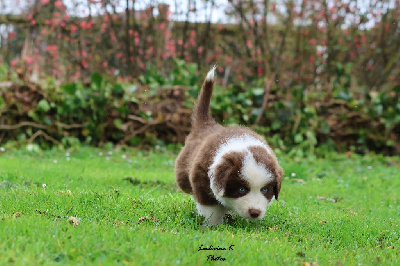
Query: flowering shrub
pixel 289 42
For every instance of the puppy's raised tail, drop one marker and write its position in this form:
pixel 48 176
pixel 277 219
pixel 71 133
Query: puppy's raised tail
pixel 201 112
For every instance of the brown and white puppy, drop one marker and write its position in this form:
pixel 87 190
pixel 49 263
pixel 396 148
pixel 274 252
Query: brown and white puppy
pixel 226 168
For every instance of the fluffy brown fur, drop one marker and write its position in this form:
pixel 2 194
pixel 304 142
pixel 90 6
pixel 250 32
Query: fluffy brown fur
pixel 215 182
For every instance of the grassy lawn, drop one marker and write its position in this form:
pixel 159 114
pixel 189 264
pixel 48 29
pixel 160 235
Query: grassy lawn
pixel 124 207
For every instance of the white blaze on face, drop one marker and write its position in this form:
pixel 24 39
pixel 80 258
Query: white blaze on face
pixel 257 176
pixel 235 144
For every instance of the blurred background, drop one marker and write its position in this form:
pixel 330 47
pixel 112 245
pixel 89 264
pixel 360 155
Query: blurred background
pixel 308 75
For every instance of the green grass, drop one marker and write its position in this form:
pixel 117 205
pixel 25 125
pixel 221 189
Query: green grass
pixel 334 210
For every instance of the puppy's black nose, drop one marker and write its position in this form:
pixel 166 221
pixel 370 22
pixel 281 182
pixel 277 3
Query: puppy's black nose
pixel 254 213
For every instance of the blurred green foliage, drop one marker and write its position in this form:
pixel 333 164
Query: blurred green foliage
pixel 297 121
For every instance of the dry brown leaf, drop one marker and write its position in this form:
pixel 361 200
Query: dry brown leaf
pixel 73 220
pixel 349 153
pixel 274 228
pixel 299 181
pixel 310 264
pixel 327 199
pixel 117 222
pixel 141 219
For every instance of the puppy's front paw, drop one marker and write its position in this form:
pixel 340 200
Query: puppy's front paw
pixel 214 214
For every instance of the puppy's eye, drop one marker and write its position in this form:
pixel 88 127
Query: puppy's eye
pixel 242 190
pixel 264 190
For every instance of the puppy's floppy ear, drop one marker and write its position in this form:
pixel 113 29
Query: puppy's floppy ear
pixel 278 171
pixel 230 164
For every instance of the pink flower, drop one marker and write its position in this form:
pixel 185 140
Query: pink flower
pixel 249 44
pixel 45 2
pixel 59 4
pixel 86 25
pixel 77 75
pixel 228 59
pixel 13 63
pixel 312 42
pixel 83 24
pixel 260 71
pixel 11 35
pixel 84 54
pixel 192 42
pixel 84 63
pixel 29 60
pixel 51 48
pixel 73 28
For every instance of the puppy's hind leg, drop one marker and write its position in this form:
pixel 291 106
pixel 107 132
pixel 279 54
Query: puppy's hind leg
pixel 214 214
pixel 181 172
